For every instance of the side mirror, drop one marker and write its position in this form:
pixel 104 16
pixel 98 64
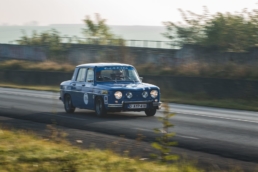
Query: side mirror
pixel 141 78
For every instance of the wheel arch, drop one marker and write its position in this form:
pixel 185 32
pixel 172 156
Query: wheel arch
pixel 66 94
pixel 96 97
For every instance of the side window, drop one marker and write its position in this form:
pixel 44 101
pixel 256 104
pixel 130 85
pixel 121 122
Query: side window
pixel 81 75
pixel 90 75
pixel 74 74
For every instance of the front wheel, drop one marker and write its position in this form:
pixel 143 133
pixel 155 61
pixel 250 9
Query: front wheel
pixel 68 105
pixel 99 107
pixel 150 112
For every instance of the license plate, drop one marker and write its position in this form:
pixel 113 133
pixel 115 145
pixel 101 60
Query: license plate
pixel 137 106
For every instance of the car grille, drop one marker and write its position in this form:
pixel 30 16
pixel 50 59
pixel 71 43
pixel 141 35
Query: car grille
pixel 137 96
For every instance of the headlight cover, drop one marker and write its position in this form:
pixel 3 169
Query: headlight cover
pixel 118 94
pixel 154 93
pixel 129 95
pixel 144 94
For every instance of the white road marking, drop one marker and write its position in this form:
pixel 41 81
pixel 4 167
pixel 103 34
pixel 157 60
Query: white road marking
pixel 144 129
pixel 5 107
pixel 163 131
pixel 55 96
pixel 212 116
pixel 177 135
pixel 187 137
pixel 81 119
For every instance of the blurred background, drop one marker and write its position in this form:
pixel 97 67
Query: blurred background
pixel 201 53
pixel 197 52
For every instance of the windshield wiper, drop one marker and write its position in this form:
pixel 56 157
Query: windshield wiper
pixel 132 80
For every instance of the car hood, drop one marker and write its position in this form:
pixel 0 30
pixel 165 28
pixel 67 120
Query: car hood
pixel 131 86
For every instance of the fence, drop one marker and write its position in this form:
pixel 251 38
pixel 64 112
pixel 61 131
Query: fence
pixel 118 42
pixel 84 53
pixel 22 52
pixel 130 43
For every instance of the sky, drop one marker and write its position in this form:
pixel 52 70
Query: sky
pixel 117 12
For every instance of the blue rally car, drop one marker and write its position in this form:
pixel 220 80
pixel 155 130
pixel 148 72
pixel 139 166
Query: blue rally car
pixel 109 87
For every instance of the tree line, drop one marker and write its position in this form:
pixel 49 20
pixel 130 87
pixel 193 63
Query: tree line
pixel 230 32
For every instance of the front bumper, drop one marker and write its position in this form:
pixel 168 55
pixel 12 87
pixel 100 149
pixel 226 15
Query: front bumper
pixel 124 105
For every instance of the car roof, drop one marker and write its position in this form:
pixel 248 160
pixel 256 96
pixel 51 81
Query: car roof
pixel 102 64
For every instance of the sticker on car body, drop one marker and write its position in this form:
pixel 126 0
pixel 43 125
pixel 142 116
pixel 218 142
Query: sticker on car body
pixel 86 98
pixel 106 99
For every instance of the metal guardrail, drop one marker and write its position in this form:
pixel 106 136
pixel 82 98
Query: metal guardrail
pixel 131 43
pixel 118 42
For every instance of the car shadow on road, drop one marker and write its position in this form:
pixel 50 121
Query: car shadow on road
pixel 117 124
pixel 110 115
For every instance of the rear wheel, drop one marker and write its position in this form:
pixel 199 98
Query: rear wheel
pixel 68 105
pixel 150 112
pixel 99 107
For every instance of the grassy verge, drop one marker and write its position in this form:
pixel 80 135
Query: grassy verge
pixel 202 99
pixel 21 151
pixel 196 69
pixel 238 104
pixel 182 98
pixel 36 66
pixel 31 87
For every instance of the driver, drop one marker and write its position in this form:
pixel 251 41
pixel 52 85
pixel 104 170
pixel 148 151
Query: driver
pixel 118 74
pixel 98 76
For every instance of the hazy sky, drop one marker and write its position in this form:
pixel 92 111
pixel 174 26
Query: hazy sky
pixel 117 12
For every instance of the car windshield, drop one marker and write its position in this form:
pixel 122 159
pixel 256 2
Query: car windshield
pixel 116 74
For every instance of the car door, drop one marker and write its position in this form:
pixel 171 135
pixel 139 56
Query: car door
pixel 88 99
pixel 78 84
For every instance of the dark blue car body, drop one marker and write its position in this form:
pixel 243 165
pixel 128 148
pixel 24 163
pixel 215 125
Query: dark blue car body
pixel 83 92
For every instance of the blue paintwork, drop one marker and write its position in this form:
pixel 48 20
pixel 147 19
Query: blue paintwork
pixel 106 90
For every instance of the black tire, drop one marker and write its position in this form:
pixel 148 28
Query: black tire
pixel 150 112
pixel 99 107
pixel 68 104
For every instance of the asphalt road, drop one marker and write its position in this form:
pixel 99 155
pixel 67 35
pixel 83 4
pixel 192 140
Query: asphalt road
pixel 227 133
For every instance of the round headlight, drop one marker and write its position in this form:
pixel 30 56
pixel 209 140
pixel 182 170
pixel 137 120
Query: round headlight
pixel 129 95
pixel 118 94
pixel 144 94
pixel 154 93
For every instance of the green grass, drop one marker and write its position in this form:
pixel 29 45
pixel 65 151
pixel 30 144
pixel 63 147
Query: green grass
pixel 202 69
pixel 251 105
pixel 31 87
pixel 23 151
